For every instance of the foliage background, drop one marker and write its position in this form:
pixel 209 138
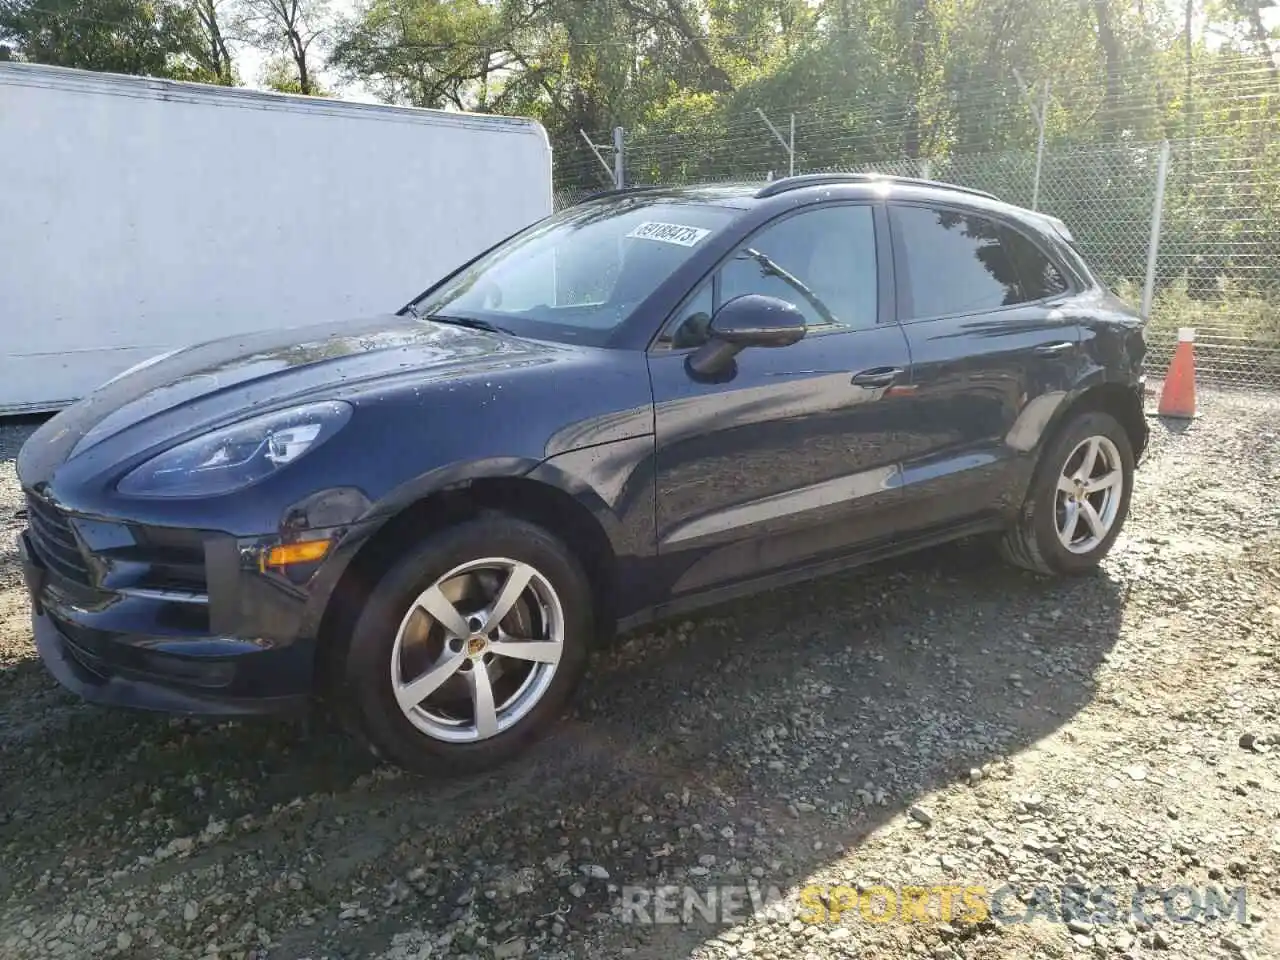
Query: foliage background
pixel 943 87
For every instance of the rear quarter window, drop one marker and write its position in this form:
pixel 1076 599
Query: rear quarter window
pixel 1040 276
pixel 952 262
pixel 957 262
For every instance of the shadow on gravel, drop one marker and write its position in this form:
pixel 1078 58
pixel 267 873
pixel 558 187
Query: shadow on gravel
pixel 900 680
pixel 14 432
pixel 1173 425
pixel 27 672
pixel 23 424
pixel 700 738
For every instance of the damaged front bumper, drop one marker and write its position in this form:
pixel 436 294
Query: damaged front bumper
pixel 238 638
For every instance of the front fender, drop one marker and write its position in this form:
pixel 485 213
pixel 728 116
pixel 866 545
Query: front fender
pixel 359 530
pixel 442 478
pixel 562 474
pixel 615 483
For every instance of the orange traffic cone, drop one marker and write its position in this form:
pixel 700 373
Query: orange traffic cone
pixel 1178 398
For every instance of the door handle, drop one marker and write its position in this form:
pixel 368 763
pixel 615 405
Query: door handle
pixel 876 377
pixel 1054 349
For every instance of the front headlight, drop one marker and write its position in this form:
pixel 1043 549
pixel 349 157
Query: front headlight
pixel 236 456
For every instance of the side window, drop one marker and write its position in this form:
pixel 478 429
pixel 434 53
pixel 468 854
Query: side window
pixel 1040 276
pixel 823 261
pixel 954 263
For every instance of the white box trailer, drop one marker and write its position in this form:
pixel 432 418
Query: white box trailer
pixel 138 215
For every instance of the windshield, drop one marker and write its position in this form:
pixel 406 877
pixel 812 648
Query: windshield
pixel 579 274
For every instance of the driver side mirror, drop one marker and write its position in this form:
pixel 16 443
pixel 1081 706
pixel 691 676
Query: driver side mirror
pixel 753 320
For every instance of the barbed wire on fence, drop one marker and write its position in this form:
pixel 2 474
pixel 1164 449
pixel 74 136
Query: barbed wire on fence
pixel 1218 264
pixel 1241 89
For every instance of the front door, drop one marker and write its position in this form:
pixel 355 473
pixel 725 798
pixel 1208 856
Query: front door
pixel 796 457
pixel 987 316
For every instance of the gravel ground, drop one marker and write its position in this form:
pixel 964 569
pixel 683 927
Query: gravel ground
pixel 942 720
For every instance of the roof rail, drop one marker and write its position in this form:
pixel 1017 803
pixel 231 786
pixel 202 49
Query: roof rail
pixel 775 187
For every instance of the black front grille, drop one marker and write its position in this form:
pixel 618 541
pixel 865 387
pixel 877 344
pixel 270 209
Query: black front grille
pixel 56 542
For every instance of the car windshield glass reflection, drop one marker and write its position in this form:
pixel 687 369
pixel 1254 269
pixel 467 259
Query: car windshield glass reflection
pixel 579 275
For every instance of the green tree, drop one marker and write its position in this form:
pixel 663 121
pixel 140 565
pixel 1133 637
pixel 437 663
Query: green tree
pixel 153 37
pixel 427 54
pixel 291 29
pixel 212 53
pixel 279 73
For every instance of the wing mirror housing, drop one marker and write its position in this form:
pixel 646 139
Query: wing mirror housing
pixel 753 320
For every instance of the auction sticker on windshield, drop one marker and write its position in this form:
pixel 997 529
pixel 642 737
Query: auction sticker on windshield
pixel 669 233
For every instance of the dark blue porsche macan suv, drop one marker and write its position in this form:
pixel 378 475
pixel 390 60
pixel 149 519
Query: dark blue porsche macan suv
pixel 655 400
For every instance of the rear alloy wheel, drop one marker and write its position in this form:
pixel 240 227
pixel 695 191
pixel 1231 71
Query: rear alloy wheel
pixel 1078 500
pixel 470 646
pixel 1089 492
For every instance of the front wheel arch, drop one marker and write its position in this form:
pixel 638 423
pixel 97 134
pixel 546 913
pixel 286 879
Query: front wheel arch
pixel 378 701
pixel 523 498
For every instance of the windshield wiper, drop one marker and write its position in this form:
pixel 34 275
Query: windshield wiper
pixel 771 268
pixel 473 323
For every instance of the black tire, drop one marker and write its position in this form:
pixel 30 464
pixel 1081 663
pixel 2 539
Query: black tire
pixel 368 685
pixel 1032 542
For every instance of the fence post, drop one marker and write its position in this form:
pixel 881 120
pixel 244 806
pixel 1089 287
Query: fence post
pixel 1153 248
pixel 926 169
pixel 1041 116
pixel 619 161
pixel 787 145
pixel 1041 121
pixel 599 156
pixel 792 149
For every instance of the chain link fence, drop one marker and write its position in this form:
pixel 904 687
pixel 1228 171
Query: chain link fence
pixel 1217 267
pixel 1219 264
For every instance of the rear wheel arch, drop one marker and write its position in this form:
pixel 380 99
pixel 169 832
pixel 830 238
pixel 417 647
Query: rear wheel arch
pixel 534 501
pixel 1043 420
pixel 1073 454
pixel 1120 400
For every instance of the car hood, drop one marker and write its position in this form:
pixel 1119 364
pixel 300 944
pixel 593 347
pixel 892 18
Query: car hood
pixel 223 379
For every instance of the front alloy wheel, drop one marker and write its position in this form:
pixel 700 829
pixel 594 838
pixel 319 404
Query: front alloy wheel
pixel 470 645
pixel 477 650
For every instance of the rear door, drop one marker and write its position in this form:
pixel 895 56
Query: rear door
pixel 987 315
